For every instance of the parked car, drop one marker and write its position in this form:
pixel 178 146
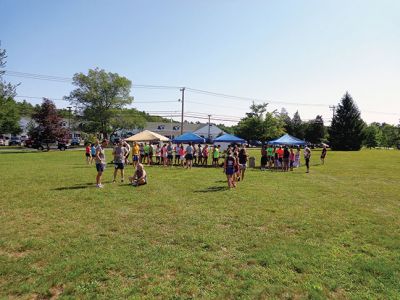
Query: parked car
pixel 50 145
pixel 2 142
pixel 253 143
pixel 15 141
pixel 28 143
pixel 75 141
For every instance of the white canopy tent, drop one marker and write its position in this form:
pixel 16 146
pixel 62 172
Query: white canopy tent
pixel 147 136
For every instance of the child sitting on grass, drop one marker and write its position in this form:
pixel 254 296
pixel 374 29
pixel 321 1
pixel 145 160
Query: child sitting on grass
pixel 139 177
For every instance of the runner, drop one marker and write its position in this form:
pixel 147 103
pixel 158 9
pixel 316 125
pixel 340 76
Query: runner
pixel 139 177
pixel 264 158
pixel 170 155
pixel 141 153
pixel 215 156
pixel 182 155
pixel 151 154
pixel 146 149
pixel 93 151
pixel 270 155
pixel 243 156
pixel 119 153
pixel 177 154
pixel 189 156
pixel 205 155
pixel 323 155
pixel 164 155
pixel 135 154
pixel 307 156
pixel 292 158
pixel 88 154
pixel 297 157
pixel 280 156
pixel 100 162
pixel 229 169
pixel 128 151
pixel 199 155
pixel 286 156
pixel 158 154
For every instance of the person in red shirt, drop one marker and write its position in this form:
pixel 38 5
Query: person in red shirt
pixel 87 153
pixel 280 151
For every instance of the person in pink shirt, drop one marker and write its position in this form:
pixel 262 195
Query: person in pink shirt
pixel 182 155
pixel 292 158
pixel 164 155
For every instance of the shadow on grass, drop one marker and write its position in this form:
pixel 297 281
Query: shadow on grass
pixel 212 189
pixel 16 152
pixel 80 186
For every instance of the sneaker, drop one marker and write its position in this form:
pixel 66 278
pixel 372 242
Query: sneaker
pixel 99 186
pixel 113 181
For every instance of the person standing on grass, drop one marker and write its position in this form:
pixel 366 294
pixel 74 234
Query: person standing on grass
pixel 146 149
pixel 215 156
pixel 199 155
pixel 170 154
pixel 307 156
pixel 135 154
pixel 139 177
pixel 189 156
pixel 164 155
pixel 264 158
pixel 297 157
pixel 127 147
pixel 100 162
pixel 291 158
pixel 205 155
pixel 323 155
pixel 286 157
pixel 229 169
pixel 243 156
pixel 119 153
pixel 88 154
pixel 141 153
pixel 270 155
pixel 177 154
pixel 182 154
pixel 158 154
pixel 93 151
pixel 280 156
pixel 151 154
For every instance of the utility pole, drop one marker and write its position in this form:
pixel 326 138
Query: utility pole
pixel 333 108
pixel 69 117
pixel 183 107
pixel 209 125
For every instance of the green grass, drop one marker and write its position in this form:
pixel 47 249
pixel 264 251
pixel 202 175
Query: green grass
pixel 333 233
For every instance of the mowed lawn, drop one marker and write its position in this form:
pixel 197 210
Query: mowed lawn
pixel 333 233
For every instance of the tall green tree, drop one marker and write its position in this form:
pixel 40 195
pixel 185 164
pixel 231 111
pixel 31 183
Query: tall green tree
pixel 48 124
pixel 98 95
pixel 315 130
pixel 298 126
pixel 9 115
pixel 346 131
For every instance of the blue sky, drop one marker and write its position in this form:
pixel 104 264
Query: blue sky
pixel 306 52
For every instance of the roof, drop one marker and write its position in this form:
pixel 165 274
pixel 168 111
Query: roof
pixel 171 129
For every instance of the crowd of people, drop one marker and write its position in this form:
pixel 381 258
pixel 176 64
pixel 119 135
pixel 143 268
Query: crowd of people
pixel 233 161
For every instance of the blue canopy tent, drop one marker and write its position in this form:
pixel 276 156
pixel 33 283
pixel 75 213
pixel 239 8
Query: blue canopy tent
pixel 188 137
pixel 287 139
pixel 229 138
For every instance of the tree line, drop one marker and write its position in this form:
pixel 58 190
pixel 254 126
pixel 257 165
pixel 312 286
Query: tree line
pixel 100 101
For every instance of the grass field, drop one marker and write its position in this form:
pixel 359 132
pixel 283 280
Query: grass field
pixel 333 233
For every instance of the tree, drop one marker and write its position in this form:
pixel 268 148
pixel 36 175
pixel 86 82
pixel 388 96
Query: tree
pixel 273 127
pixel 9 116
pixel 284 115
pixel 98 95
pixel 346 131
pixel 315 130
pixel 298 127
pixel 126 119
pixel 371 136
pixel 25 109
pixel 48 124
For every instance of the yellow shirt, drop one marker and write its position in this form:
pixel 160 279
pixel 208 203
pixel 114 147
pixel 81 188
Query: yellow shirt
pixel 135 149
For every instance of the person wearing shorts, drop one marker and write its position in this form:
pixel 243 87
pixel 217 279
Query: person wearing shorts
pixel 323 155
pixel 88 154
pixel 170 155
pixel 135 154
pixel 243 156
pixel 177 154
pixel 264 158
pixel 215 154
pixel 280 156
pixel 286 156
pixel 270 156
pixel 205 155
pixel 119 153
pixel 100 159
pixel 141 153
pixel 93 151
pixel 229 169
pixel 189 155
pixel 291 158
pixel 128 151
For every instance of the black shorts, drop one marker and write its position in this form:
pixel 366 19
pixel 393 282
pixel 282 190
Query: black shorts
pixel 189 156
pixel 264 160
pixel 100 167
pixel 170 156
pixel 280 159
pixel 215 159
pixel 178 157
pixel 87 154
pixel 119 166
pixel 286 160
